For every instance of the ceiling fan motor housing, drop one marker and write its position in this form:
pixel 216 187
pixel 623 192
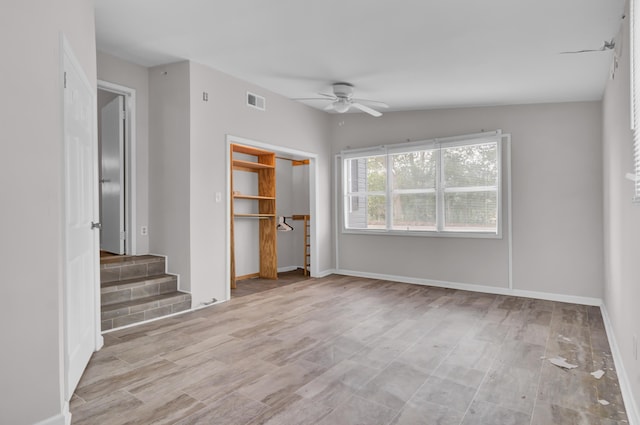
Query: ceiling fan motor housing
pixel 343 90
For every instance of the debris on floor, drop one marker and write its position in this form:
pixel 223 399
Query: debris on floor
pixel 564 338
pixel 598 374
pixel 562 362
pixel 603 402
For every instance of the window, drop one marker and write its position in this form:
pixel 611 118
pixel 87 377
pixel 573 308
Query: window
pixel 449 186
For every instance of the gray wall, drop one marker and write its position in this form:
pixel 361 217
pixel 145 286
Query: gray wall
pixel 284 207
pixel 117 71
pixel 621 221
pixel 285 124
pixel 188 162
pixel 299 206
pixel 31 358
pixel 557 200
pixel 169 167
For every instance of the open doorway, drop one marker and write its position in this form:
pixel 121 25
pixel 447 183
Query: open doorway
pixel 289 210
pixel 116 141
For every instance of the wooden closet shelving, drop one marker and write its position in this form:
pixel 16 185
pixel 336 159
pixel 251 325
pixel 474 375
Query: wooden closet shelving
pixel 265 167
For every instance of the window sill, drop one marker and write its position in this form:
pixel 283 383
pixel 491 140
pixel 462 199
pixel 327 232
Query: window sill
pixel 381 232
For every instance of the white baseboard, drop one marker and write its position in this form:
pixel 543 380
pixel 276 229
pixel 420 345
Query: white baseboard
pixel 633 414
pixel 288 269
pixel 477 288
pixel 325 273
pixel 62 418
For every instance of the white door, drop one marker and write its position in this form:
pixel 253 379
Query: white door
pixel 81 210
pixel 112 195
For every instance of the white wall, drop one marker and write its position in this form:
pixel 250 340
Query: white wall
pixel 169 167
pixel 31 167
pixel 299 206
pixel 285 123
pixel 557 198
pixel 118 71
pixel 246 230
pixel 621 221
pixel 284 207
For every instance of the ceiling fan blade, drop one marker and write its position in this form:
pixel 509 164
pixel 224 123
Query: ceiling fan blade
pixel 375 103
pixel 366 109
pixel 580 51
pixel 311 98
pixel 330 96
pixel 606 45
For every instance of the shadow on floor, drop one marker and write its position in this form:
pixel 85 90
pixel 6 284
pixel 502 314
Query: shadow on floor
pixel 253 286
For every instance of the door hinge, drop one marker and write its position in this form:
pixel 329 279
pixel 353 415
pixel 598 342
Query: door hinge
pixel 123 115
pixel 123 236
pixel 65 79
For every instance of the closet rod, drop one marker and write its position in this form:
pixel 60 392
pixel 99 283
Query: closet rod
pixel 295 161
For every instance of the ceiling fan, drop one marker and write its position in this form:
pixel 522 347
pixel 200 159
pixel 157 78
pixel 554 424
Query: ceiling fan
pixel 606 45
pixel 342 100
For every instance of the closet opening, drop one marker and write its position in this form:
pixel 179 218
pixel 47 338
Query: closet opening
pixel 271 216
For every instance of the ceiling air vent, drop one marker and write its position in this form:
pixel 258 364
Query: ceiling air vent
pixel 256 101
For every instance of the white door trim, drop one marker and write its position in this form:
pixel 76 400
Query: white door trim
pixel 313 198
pixel 67 54
pixel 129 162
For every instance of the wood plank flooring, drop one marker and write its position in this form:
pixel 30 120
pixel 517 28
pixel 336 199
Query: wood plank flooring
pixel 253 286
pixel 344 350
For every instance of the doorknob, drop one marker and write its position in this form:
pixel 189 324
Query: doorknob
pixel 105 180
pixel 96 225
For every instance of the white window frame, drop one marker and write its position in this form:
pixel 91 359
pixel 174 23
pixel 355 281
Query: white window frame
pixel 388 150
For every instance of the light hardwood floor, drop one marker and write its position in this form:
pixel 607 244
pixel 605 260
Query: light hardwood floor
pixel 344 350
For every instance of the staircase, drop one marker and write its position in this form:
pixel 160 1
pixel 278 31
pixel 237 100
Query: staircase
pixel 136 288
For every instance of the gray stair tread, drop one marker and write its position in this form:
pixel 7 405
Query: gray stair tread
pixel 125 260
pixel 146 300
pixel 135 280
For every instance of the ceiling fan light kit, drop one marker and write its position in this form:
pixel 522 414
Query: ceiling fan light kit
pixel 342 100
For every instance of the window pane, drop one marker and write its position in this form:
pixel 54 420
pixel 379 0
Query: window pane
pixel 447 186
pixel 469 166
pixel 414 211
pixel 367 174
pixel 414 170
pixel 365 212
pixel 356 211
pixel 376 212
pixel 471 211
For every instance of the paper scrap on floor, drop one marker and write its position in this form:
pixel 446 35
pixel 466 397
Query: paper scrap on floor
pixel 562 362
pixel 598 374
pixel 604 402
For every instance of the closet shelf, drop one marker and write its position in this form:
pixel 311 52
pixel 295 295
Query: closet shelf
pixel 263 164
pixel 254 215
pixel 239 164
pixel 250 150
pixel 267 198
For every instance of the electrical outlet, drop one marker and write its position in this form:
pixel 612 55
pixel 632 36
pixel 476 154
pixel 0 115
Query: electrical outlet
pixel 218 196
pixel 144 230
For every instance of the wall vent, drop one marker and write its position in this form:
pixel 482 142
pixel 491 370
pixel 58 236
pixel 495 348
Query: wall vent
pixel 256 101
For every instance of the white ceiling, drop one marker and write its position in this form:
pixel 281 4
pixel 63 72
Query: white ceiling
pixel 411 54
